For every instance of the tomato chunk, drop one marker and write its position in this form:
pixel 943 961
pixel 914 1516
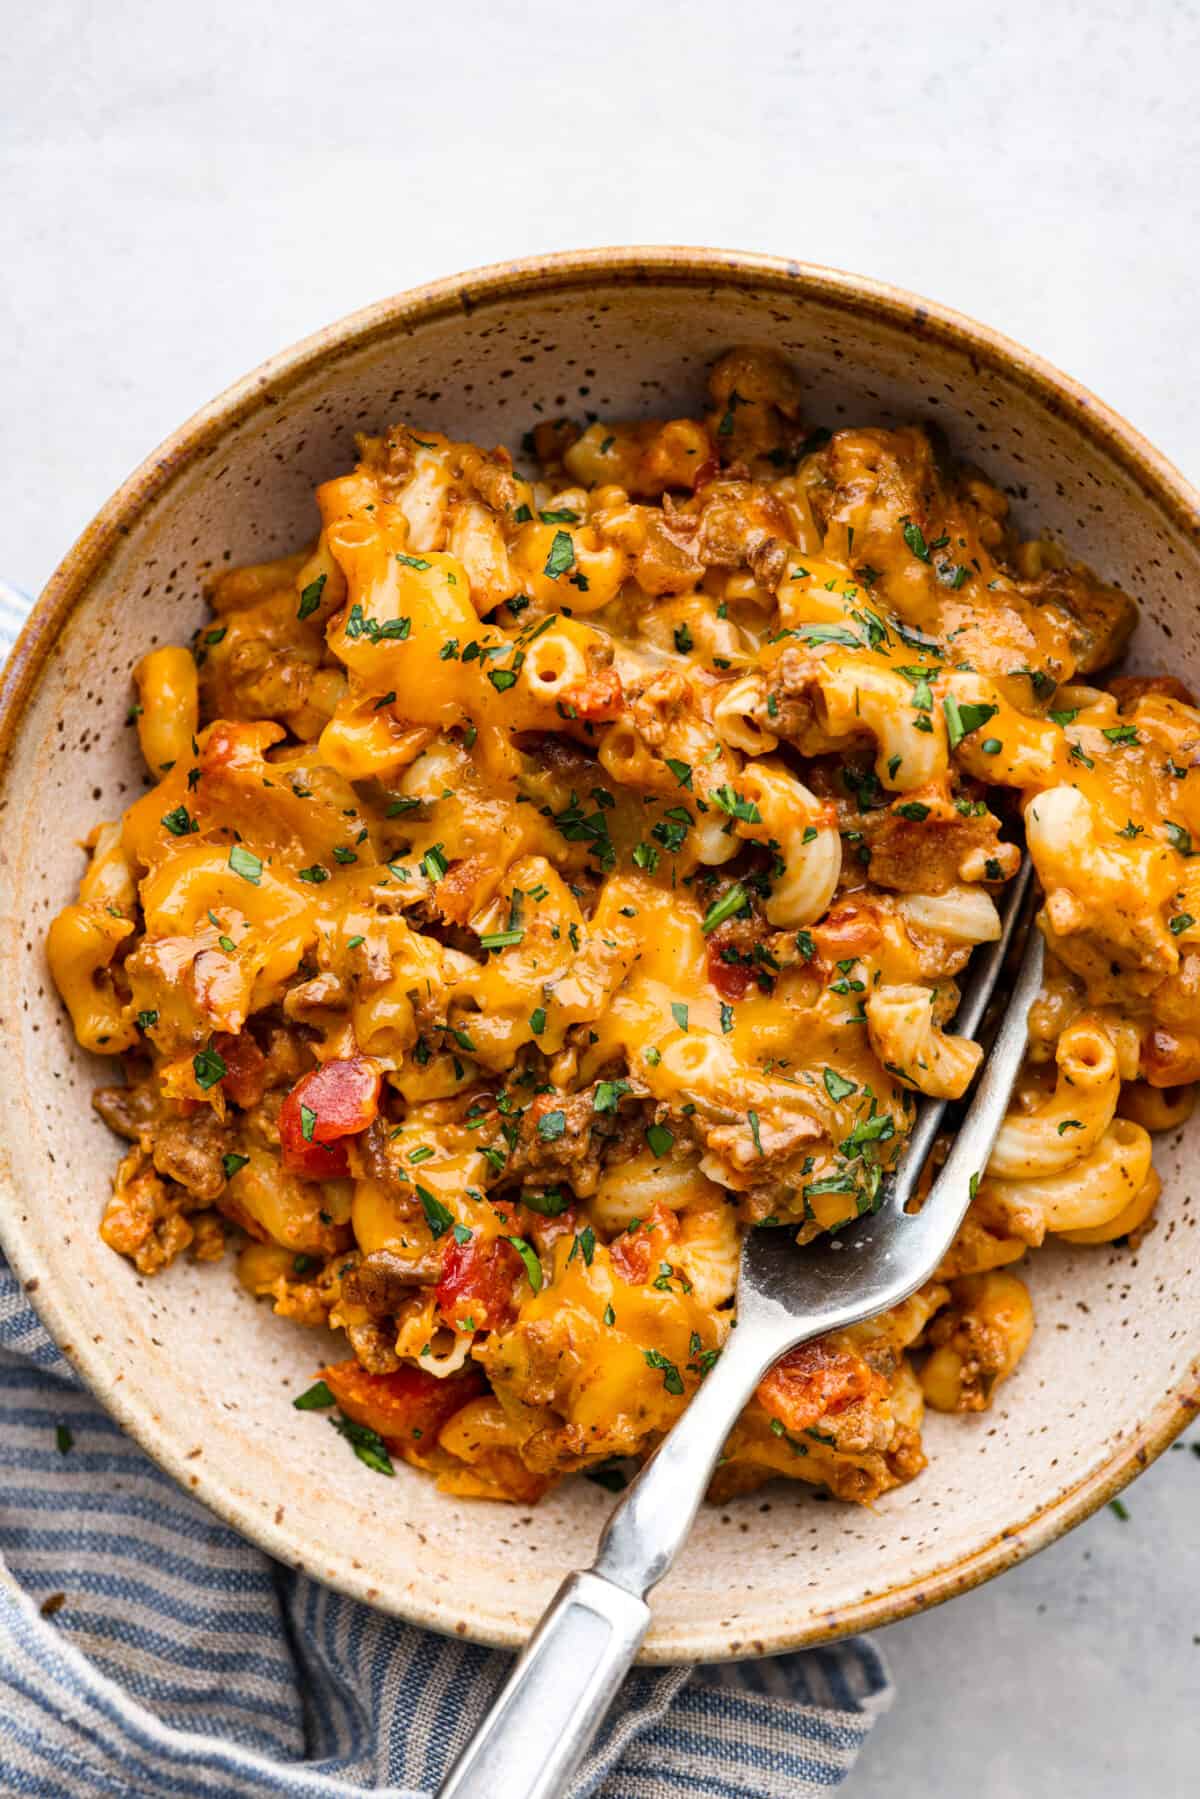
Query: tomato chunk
pixel 637 1254
pixel 405 1406
pixel 334 1101
pixel 243 1080
pixel 815 1380
pixel 476 1288
pixel 598 697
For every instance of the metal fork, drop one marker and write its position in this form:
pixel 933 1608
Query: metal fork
pixel 556 1697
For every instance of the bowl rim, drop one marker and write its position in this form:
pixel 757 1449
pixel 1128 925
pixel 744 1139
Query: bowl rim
pixel 1159 480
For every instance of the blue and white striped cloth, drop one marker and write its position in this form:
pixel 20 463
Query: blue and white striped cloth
pixel 146 1650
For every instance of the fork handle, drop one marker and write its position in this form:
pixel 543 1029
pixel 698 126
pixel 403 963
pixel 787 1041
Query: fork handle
pixel 545 1716
pixel 554 1701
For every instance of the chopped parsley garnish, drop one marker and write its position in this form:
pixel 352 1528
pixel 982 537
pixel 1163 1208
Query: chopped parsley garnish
pixel 551 1126
pixel 501 939
pixel 608 1095
pixel 962 719
pixel 752 1118
pixel 244 863
pixel 683 639
pixel 1121 734
pixel 1179 838
pixel 914 537
pixel 208 1067
pixel 232 1162
pixel 914 809
pixel 316 1398
pixel 837 1086
pixel 660 1139
pixel 734 899
pixel 310 598
pixel 433 863
pixel 549 1204
pixel 735 805
pixel 679 1013
pixel 672 1379
pixel 179 822
pixel 537 1020
pixel 1182 921
pixel 561 557
pixel 367 1444
pixel 146 1021
pixel 681 770
pixel 533 1267
pixel 417 562
pixel 314 875
pixel 437 1217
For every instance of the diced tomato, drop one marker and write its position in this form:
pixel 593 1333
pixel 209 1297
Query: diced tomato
pixel 244 1079
pixel 600 696
pixel 405 1405
pixel 476 1288
pixel 851 929
pixel 732 979
pixel 336 1100
pixel 636 1254
pixel 815 1380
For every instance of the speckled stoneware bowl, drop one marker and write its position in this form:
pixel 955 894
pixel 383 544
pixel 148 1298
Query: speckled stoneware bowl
pixel 201 1375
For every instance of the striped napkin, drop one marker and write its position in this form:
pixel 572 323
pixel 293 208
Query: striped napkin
pixel 146 1649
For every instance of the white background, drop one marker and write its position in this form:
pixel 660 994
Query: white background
pixel 189 187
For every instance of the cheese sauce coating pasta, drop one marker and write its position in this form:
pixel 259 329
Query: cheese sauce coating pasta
pixel 544 879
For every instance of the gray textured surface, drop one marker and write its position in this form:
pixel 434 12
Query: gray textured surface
pixel 187 188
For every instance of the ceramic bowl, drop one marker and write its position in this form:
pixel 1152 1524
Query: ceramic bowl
pixel 203 1377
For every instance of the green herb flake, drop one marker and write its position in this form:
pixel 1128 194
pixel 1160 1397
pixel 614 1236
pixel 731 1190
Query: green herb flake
pixel 752 1119
pixel 208 1068
pixel 551 1126
pixel 660 1139
pixel 837 1086
pixel 179 822
pixel 914 537
pixel 367 1445
pixel 672 1379
pixel 962 719
pixel 310 598
pixel 734 899
pixel 317 1398
pixel 561 557
pixel 533 1267
pixel 437 1217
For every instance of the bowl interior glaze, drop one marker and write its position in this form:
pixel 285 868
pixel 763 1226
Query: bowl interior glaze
pixel 190 1365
